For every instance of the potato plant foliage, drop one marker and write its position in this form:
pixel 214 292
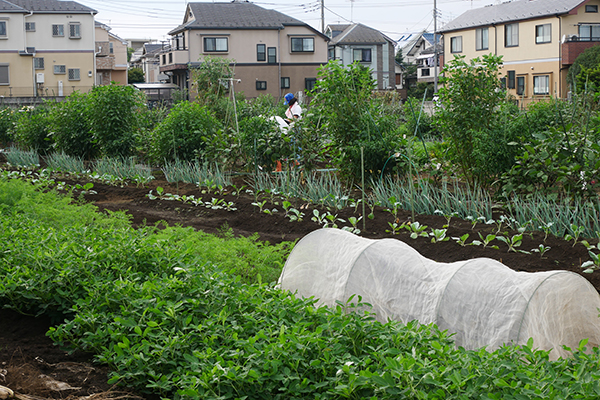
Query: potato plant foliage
pixel 173 319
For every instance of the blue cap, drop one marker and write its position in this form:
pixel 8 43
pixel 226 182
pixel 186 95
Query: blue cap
pixel 288 97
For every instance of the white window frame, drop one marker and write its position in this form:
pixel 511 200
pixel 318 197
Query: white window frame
pixel 7 66
pixel 306 43
pixel 74 74
pixel 29 26
pixel 60 30
pixel 543 33
pixel 60 69
pixel 359 55
pixel 592 34
pixel 38 62
pixel 5 34
pixel 217 43
pixel 456 44
pixel 541 85
pixel 511 35
pixel 482 39
pixel 74 30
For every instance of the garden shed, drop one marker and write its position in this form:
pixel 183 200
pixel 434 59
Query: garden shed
pixel 481 300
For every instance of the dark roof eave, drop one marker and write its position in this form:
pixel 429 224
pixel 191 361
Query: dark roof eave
pixel 239 28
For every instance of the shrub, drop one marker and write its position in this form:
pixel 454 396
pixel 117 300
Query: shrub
pixel 71 128
pixel 351 117
pixel 185 132
pixel 114 118
pixel 469 104
pixel 7 122
pixel 32 129
pixel 262 142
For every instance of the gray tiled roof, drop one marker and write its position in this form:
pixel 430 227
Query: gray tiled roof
pixel 359 34
pixel 510 11
pixel 236 15
pixel 45 6
pixel 5 6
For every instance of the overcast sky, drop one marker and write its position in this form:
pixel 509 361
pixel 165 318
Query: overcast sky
pixel 153 19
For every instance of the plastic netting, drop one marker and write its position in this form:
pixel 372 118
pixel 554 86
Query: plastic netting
pixel 482 301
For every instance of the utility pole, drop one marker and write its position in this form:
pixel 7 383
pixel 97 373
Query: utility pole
pixel 322 16
pixel 435 49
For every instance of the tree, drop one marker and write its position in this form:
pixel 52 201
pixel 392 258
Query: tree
pixel 468 108
pixel 399 57
pixel 589 59
pixel 135 75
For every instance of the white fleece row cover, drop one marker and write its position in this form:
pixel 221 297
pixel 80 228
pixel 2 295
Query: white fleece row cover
pixel 482 301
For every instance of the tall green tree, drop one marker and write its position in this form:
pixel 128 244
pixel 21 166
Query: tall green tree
pixel 589 59
pixel 135 75
pixel 469 104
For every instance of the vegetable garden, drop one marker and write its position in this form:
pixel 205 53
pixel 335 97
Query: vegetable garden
pixel 186 308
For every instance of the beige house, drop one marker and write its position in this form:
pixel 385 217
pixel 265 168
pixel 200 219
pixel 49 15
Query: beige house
pixel 148 60
pixel 371 48
pixel 111 57
pixel 272 52
pixel 46 48
pixel 538 39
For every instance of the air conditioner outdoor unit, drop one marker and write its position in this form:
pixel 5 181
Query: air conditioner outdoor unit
pixel 574 38
pixel 39 77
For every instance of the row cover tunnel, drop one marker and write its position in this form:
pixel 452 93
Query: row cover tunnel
pixel 481 301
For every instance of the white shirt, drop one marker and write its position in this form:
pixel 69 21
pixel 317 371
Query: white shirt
pixel 293 110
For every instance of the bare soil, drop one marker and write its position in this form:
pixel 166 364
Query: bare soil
pixel 26 353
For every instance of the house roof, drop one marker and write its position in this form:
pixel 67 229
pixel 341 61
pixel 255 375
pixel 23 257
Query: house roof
pixel 45 6
pixel 511 11
pixel 235 15
pixel 151 49
pixel 358 34
pixel 408 42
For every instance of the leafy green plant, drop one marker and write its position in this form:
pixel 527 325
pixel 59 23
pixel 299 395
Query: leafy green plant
pixel 513 242
pixel 71 127
pixel 541 249
pixel 593 264
pixel 416 229
pixel 485 241
pixel 32 129
pixel 185 134
pixel 576 232
pixel 114 118
pixel 438 235
pixel 462 240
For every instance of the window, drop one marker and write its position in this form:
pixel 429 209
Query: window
pixel 60 70
pixel 261 52
pixel 3 30
pixel 482 39
pixel 30 26
pixel 75 30
pixel 589 32
pixel 303 45
pixel 111 49
pixel 362 55
pixel 309 83
pixel 285 83
pixel 511 79
pixel 272 55
pixel 591 8
pixel 74 74
pixel 503 83
pixel 424 71
pixel 331 54
pixel 511 35
pixel 4 74
pixel 170 58
pixel 261 85
pixel 58 30
pixel 541 84
pixel 38 62
pixel 456 44
pixel 164 58
pixel 543 33
pixel 215 44
pixel 520 85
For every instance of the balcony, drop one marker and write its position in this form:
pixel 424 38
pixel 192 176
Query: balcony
pixel 573 46
pixel 174 59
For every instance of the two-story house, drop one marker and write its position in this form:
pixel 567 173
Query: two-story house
pixel 148 60
pixel 418 49
pixel 111 57
pixel 538 40
pixel 271 52
pixel 46 48
pixel 356 42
